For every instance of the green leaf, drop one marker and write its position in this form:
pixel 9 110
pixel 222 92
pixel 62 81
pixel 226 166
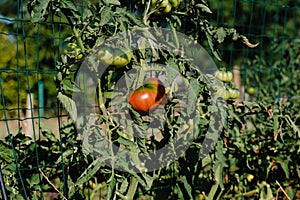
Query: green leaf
pixel 34 180
pixel 284 163
pixel 111 188
pixel 68 104
pixel 187 186
pixel 64 155
pixel 212 46
pixel 47 133
pixel 266 195
pixel 173 72
pixel 221 34
pixel 126 142
pixel 105 16
pixel 206 160
pixel 193 92
pixel 39 10
pixel 68 4
pixel 124 186
pixel 203 8
pixel 114 2
pixel 212 191
pixel 6 154
pixel 92 169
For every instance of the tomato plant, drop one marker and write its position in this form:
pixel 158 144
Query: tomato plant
pixel 93 143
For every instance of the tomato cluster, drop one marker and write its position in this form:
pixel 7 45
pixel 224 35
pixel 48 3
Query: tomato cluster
pixel 114 56
pixel 226 92
pixel 164 6
pixel 148 96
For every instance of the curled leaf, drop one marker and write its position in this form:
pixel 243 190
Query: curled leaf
pixel 246 41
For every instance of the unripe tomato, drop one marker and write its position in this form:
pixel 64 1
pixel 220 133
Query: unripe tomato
pixel 78 53
pixel 164 3
pixel 92 184
pixel 251 90
pixel 225 76
pixel 114 56
pixel 233 93
pixel 121 58
pixel 223 93
pixel 148 96
pixel 163 7
pixel 174 3
pixel 106 55
pixel 67 47
pixel 168 8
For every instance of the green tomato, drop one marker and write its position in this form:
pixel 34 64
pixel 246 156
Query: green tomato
pixel 174 3
pixel 163 8
pixel 168 8
pixel 233 93
pixel 225 76
pixel 114 56
pixel 121 58
pixel 251 90
pixel 223 93
pixel 106 55
pixel 78 53
pixel 67 47
pixel 164 3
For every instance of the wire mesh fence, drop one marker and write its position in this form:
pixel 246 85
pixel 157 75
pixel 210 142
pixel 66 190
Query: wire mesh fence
pixel 35 128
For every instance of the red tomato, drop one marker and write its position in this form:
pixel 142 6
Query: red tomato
pixel 147 96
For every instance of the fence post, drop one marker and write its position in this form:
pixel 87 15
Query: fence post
pixel 29 115
pixel 41 99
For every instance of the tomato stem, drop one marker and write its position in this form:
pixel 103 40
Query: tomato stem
pixel 175 35
pixel 132 188
pixel 100 100
pixel 143 71
pixel 78 38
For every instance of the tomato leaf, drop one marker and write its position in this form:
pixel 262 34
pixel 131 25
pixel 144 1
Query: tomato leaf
pixel 90 171
pixel 221 34
pixel 187 186
pixel 203 8
pixel 68 104
pixel 39 10
pixel 193 91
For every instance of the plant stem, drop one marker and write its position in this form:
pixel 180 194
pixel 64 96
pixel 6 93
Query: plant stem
pixel 175 36
pixel 132 188
pixel 142 72
pixel 100 100
pixel 78 38
pixel 146 15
